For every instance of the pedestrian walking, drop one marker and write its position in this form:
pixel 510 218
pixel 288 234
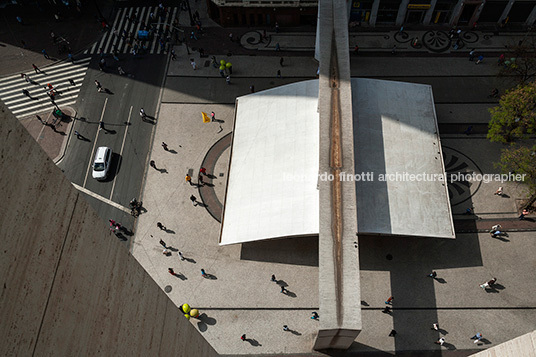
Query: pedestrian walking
pixel 281 60
pixel 181 256
pixel 496 227
pixel 228 79
pixel 315 315
pixel 71 81
pixel 285 328
pixel 162 243
pixel 243 337
pixel 173 55
pixel 252 88
pixel 200 180
pixel 432 275
pixel 386 310
pixel 472 55
pixel 164 145
pixel 188 179
pixel 19 20
pixel 152 164
pixel 78 135
pixel 440 342
pixel 203 171
pixel 203 273
pixel 278 73
pixel 523 214
pixel 390 300
pixel 45 54
pixel 142 113
pixel 101 126
pixel 499 191
pixel 214 62
pixel 480 59
pixel 277 47
pixel 231 37
pixel 276 27
pixel 393 51
pixel 194 65
pixel 488 284
pixel 501 59
pixel 212 116
pixel 494 93
pixel 272 278
pixel 283 290
pixel 98 85
pixel 392 333
pixel 477 337
pixel 161 226
pixel 120 70
pixel 166 252
pixel 194 200
pixel 356 49
pixel 435 326
pixel 192 36
pixel 35 68
pixel 171 271
pixel 40 120
pixel 26 93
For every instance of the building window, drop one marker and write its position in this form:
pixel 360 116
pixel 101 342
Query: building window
pixel 360 11
pixel 387 11
pixel 521 11
pixel 492 11
pixel 443 11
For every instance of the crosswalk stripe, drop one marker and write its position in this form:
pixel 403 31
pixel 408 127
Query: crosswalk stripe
pixel 11 88
pixel 109 40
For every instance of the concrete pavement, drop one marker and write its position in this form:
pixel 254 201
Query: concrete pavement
pixel 241 298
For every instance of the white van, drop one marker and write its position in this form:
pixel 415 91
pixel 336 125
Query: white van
pixel 101 164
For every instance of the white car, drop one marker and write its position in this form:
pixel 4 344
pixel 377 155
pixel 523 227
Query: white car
pixel 101 164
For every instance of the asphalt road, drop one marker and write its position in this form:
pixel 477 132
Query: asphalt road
pixel 126 134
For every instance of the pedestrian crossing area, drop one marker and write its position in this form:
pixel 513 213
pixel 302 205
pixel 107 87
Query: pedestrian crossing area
pixel 29 94
pixel 138 29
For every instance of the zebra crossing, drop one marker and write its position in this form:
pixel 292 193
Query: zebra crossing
pixel 123 32
pixel 34 99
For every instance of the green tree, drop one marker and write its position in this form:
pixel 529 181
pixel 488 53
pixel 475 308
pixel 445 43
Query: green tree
pixel 520 159
pixel 520 62
pixel 515 117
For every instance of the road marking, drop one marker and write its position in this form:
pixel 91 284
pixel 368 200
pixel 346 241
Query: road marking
pixel 121 152
pixel 94 143
pixel 100 198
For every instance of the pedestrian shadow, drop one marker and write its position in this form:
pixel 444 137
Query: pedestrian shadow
pixel 289 293
pixel 484 341
pixel 208 184
pixel 504 195
pixel 440 280
pixel 83 138
pixel 296 333
pixel 204 321
pixel 219 121
pixel 162 171
pixel 528 219
pixel 449 346
pixel 190 260
pixel 173 249
pixel 253 342
pixel 210 176
pixel 170 231
pixel 172 151
pixel 126 231
pixel 201 204
pixel 495 287
pixel 120 236
pixel 181 276
pixel 443 331
pixel 107 91
pixel 211 277
pixel 149 120
pixel 364 303
pixel 108 131
pixel 281 283
pixel 501 238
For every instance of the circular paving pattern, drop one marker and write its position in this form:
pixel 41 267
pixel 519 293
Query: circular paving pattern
pixel 456 163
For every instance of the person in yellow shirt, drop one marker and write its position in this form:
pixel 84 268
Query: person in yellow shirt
pixel 188 179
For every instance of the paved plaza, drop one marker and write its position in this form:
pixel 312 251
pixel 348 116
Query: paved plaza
pixel 239 296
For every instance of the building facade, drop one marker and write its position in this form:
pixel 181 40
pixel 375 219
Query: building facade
pixel 377 13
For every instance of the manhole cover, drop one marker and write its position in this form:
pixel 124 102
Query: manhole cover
pixel 221 174
pixel 389 257
pixel 168 288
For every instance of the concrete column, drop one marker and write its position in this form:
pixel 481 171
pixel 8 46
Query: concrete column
pixel 477 13
pixel 506 11
pixel 402 11
pixel 429 13
pixel 456 13
pixel 531 18
pixel 374 13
